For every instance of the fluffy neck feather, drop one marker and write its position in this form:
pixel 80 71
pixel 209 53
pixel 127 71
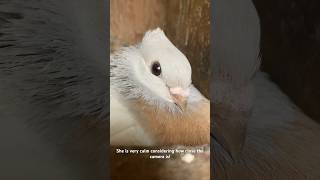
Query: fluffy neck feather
pixel 189 128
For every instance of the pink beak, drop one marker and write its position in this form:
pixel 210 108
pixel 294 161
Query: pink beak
pixel 179 96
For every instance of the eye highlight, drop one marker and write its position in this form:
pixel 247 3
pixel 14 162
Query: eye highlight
pixel 156 69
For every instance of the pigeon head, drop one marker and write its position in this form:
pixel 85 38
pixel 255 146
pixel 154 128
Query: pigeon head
pixel 154 70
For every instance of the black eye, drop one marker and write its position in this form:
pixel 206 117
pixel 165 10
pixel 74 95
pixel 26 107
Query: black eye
pixel 156 69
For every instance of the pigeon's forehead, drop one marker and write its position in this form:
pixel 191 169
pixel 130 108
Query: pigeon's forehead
pixel 175 66
pixel 164 54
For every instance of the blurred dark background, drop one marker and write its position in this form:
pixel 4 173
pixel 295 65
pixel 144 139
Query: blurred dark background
pixel 290 47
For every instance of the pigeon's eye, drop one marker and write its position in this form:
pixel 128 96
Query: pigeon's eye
pixel 156 69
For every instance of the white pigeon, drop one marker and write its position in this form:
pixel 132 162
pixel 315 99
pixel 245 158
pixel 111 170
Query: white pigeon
pixel 153 101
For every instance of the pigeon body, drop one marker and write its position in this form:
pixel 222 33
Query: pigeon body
pixel 258 132
pixel 161 108
pixel 281 142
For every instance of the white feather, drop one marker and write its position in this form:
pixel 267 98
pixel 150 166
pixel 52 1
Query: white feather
pixel 124 127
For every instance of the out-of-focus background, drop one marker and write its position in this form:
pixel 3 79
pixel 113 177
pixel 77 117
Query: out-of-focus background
pixel 185 22
pixel 290 47
pixel 187 25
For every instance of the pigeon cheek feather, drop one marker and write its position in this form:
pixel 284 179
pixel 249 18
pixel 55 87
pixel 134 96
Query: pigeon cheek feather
pixel 147 80
pixel 176 95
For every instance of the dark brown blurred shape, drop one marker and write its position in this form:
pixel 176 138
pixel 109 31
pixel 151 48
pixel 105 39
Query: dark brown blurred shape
pixel 291 49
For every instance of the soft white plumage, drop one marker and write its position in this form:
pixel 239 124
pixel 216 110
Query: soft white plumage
pixel 149 108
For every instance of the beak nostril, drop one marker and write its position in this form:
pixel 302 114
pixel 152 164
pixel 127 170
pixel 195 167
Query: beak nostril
pixel 178 91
